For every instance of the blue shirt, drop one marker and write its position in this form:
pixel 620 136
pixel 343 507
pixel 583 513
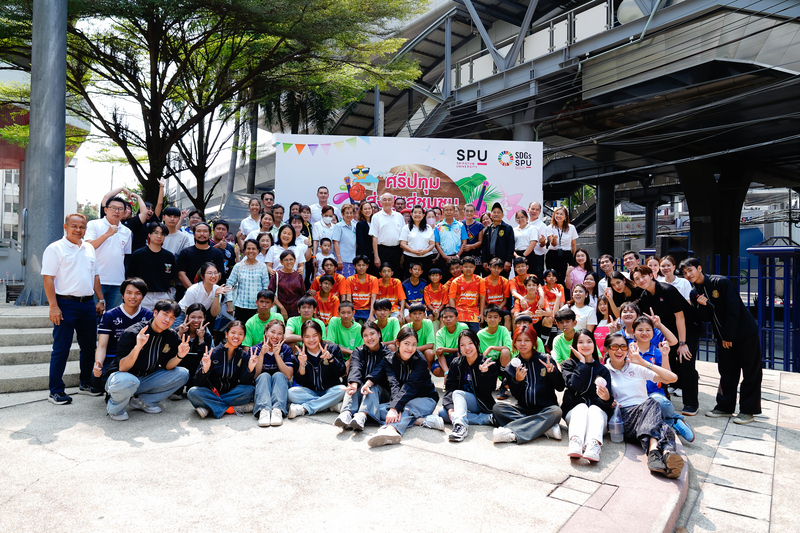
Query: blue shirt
pixel 414 293
pixel 652 355
pixel 346 235
pixel 269 365
pixel 449 236
pixel 115 321
pixel 473 230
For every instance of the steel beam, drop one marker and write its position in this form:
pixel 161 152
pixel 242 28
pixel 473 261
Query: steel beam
pixel 498 59
pixel 422 90
pixel 512 55
pixel 448 56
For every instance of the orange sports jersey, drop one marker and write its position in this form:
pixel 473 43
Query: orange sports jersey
pixel 327 309
pixel 550 296
pixel 340 285
pixel 467 296
pixel 517 285
pixel 362 292
pixel 438 298
pixel 497 294
pixel 393 291
pixel 532 306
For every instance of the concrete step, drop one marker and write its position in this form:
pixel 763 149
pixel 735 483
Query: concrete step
pixel 24 321
pixel 23 355
pixel 27 337
pixel 23 378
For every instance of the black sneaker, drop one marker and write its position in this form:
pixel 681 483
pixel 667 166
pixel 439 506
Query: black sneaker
pixel 89 390
pixel 459 433
pixel 60 398
pixel 655 462
pixel 689 410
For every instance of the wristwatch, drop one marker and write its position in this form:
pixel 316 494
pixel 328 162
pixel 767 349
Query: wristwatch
pixel 682 343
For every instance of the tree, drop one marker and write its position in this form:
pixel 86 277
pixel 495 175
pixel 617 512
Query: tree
pixel 90 212
pixel 178 62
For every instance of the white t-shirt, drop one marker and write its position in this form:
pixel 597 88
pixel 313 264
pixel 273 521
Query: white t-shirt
pixel 196 294
pixel 524 236
pixel 254 234
pixel 683 285
pixel 274 255
pixel 630 383
pixel 248 224
pixel 316 213
pixel 111 254
pixel 74 267
pixel 319 231
pixel 387 228
pixel 418 240
pixel 175 242
pixel 541 228
pixel 320 258
pixel 563 238
pixel 586 316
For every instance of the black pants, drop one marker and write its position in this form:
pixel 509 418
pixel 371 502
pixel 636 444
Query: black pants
pixel 527 424
pixel 686 371
pixel 559 263
pixel 536 265
pixel 391 255
pixel 644 421
pixel 426 262
pixel 243 314
pixel 743 358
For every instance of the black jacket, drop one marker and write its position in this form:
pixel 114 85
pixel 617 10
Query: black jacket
pixel 725 310
pixel 320 376
pixel 504 247
pixel 665 302
pixel 538 389
pixel 580 388
pixel 155 354
pixel 469 378
pixel 366 364
pixel 408 380
pixel 225 374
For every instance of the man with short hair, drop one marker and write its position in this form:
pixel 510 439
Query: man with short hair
pixel 540 250
pixel 192 258
pixel 267 200
pixel 145 370
pixel 606 264
pixel 322 201
pixel 399 204
pixel 154 265
pixel 630 260
pixel 450 235
pixel 195 217
pixel 71 280
pixel 385 230
pixel 498 241
pixel 111 241
pixel 220 242
pixel 177 240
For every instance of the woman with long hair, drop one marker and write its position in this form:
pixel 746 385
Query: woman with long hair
pixel 224 379
pixel 577 271
pixel 585 314
pixel 620 290
pixel 533 379
pixel 604 320
pixel 654 263
pixel 668 270
pixel 562 240
pixel 265 226
pixel 247 277
pixel 205 292
pixel 363 239
pixel 417 242
pixel 591 281
pixel 287 240
pixel 526 236
pixel 195 330
pixel 265 242
pixel 273 374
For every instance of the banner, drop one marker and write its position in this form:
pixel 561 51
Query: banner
pixel 430 172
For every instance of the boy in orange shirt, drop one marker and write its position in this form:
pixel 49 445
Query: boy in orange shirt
pixel 327 302
pixel 454 266
pixel 468 295
pixel 392 289
pixel 516 286
pixel 497 290
pixel 435 294
pixel 340 285
pixel 363 289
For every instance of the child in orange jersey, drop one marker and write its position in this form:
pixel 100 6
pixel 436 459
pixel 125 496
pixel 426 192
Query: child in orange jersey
pixel 327 302
pixel 363 289
pixel 391 289
pixel 468 294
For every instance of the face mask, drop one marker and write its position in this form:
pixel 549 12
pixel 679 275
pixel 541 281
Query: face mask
pixel 327 220
pixel 431 221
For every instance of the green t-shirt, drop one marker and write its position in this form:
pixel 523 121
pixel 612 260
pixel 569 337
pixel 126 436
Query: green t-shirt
pixel 295 323
pixel 445 339
pixel 425 333
pixel 390 331
pixel 501 337
pixel 349 338
pixel 561 348
pixel 254 328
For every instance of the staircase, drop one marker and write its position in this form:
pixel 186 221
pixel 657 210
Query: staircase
pixel 26 340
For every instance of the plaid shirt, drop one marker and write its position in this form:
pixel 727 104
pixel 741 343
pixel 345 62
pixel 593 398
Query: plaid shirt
pixel 248 280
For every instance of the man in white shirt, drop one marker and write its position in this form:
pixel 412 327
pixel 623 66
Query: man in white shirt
pixel 539 251
pixel 316 209
pixel 385 230
pixel 71 281
pixel 268 200
pixel 606 264
pixel 177 240
pixel 111 241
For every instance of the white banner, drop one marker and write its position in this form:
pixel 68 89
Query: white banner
pixel 430 172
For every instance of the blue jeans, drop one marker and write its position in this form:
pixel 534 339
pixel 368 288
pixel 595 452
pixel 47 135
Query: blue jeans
pixel 369 404
pixel 466 410
pixel 79 319
pixel 667 409
pixel 271 392
pixel 316 401
pixel 151 389
pixel 112 296
pixel 205 397
pixel 416 408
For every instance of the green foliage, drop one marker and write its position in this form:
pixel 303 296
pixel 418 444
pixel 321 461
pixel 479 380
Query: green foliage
pixel 90 211
pixel 472 186
pixel 622 218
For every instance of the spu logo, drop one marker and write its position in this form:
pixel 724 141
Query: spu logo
pixel 470 155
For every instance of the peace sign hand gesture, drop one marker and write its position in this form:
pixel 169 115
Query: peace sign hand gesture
pixel 654 318
pixel 201 331
pixel 548 364
pixel 183 348
pixel 206 361
pixel 484 367
pixel 326 356
pixel 251 364
pixel 302 358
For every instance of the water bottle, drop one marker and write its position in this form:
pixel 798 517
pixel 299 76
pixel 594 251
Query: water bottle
pixel 615 427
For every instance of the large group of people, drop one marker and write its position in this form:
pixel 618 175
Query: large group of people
pixel 356 309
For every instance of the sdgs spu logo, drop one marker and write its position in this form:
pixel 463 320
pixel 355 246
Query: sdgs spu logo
pixel 505 158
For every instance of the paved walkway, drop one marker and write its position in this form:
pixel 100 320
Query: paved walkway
pixel 71 468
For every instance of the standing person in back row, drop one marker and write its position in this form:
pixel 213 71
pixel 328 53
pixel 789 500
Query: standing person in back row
pixel 498 241
pixel 539 251
pixel 737 332
pixel 190 259
pixel 69 269
pixel 385 230
pixel 111 241
pixel 322 202
pixel 563 243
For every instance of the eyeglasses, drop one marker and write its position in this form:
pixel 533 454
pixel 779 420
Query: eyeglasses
pixel 115 209
pixel 156 234
pixel 615 347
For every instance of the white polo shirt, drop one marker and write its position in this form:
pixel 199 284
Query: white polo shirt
pixel 248 225
pixel 316 212
pixel 111 254
pixel 387 228
pixel 630 383
pixel 74 267
pixel 542 230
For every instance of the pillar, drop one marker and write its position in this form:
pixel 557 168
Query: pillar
pixel 650 223
pixel 605 217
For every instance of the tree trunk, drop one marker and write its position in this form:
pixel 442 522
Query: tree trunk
pixel 234 156
pixel 251 168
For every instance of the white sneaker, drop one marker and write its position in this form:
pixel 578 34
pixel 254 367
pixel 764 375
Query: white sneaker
pixel 337 408
pixel 296 410
pixel 503 434
pixel 433 422
pixel 358 422
pixel 575 449
pixel 136 403
pixel 554 432
pixel 343 420
pixel 239 410
pixel 592 452
pixel 277 417
pixel 123 416
pixel 385 435
pixel 202 411
pixel 263 418
pixel 678 392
